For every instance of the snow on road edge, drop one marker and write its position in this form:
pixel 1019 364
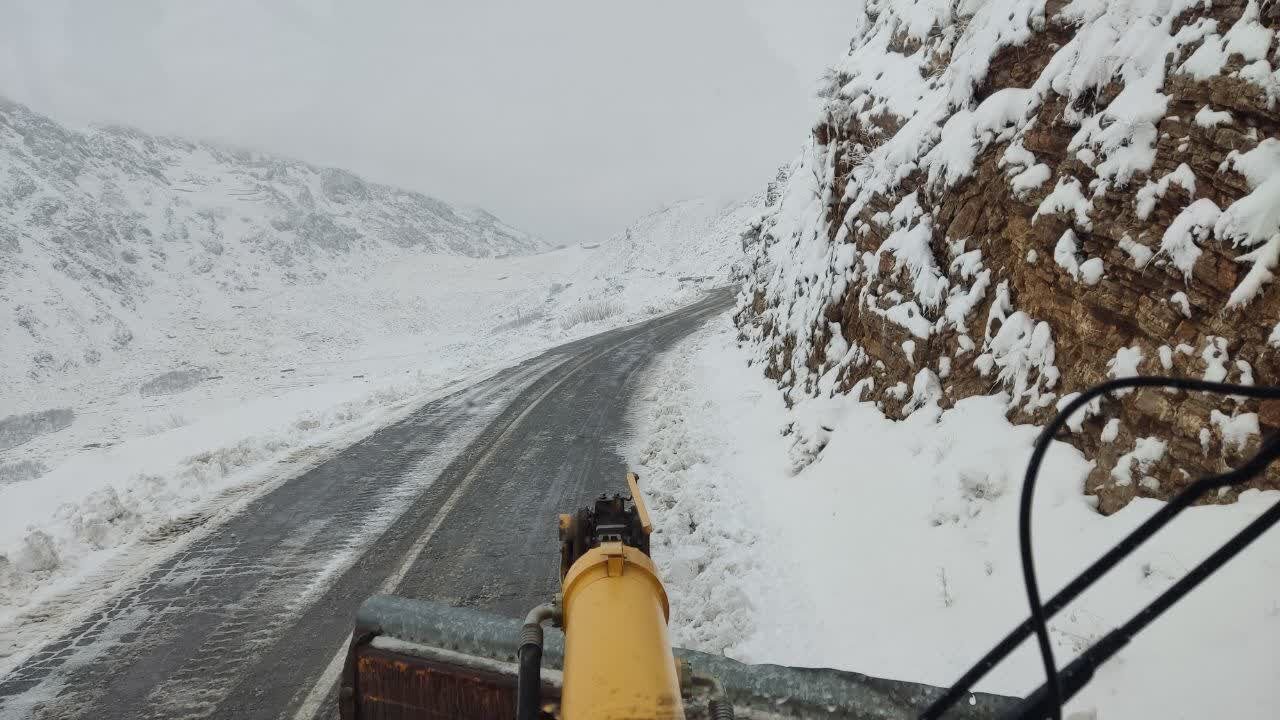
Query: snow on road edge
pixel 894 552
pixel 688 451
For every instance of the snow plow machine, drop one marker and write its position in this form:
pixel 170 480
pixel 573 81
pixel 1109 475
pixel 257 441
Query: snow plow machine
pixel 417 660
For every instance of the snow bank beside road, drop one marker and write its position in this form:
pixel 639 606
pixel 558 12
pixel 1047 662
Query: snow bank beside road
pixel 693 459
pixel 894 552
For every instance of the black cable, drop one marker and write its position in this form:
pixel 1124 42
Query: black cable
pixel 1269 452
pixel 1078 673
pixel 1037 622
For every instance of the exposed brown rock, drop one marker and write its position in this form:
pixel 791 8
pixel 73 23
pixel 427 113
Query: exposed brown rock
pixel 1131 307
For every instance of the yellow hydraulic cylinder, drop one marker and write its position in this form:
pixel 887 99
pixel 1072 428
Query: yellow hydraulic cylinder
pixel 618 663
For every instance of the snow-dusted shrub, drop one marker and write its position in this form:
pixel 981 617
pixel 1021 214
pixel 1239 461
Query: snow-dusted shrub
pixel 170 421
pixel 18 429
pixel 587 311
pixel 523 317
pixel 174 381
pixel 21 471
pixel 38 553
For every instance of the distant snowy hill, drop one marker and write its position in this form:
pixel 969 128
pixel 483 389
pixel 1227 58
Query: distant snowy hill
pixel 669 253
pixel 690 237
pixel 102 230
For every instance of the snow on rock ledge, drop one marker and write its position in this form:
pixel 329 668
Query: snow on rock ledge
pixel 1021 189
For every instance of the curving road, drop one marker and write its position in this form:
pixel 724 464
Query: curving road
pixel 456 502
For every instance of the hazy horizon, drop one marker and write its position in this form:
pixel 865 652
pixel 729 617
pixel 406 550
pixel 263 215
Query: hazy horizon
pixel 567 120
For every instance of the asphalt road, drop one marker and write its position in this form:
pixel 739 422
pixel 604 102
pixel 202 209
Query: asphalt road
pixel 456 502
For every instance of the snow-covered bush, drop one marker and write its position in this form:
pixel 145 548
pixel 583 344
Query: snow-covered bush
pixel 593 310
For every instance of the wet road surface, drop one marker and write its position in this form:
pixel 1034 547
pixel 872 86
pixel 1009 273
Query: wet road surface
pixel 455 502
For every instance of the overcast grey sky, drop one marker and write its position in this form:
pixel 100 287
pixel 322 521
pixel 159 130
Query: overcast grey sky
pixel 568 118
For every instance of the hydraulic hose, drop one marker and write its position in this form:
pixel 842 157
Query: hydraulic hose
pixel 529 702
pixel 529 681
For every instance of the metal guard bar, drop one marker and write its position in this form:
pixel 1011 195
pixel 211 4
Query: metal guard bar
pixel 760 690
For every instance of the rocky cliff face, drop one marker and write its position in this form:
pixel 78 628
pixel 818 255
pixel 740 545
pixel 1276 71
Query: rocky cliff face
pixel 1032 197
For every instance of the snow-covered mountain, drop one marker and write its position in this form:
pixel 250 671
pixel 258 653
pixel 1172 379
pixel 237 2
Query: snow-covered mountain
pixel 1032 198
pixel 110 234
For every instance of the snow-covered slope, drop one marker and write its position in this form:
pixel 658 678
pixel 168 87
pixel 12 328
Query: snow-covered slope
pixel 1034 196
pixel 112 240
pixel 177 318
pixel 670 253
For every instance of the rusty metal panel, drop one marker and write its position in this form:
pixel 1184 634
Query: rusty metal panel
pixel 391 686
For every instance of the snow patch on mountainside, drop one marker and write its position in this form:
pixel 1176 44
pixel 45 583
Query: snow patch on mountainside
pixel 114 242
pixel 661 260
